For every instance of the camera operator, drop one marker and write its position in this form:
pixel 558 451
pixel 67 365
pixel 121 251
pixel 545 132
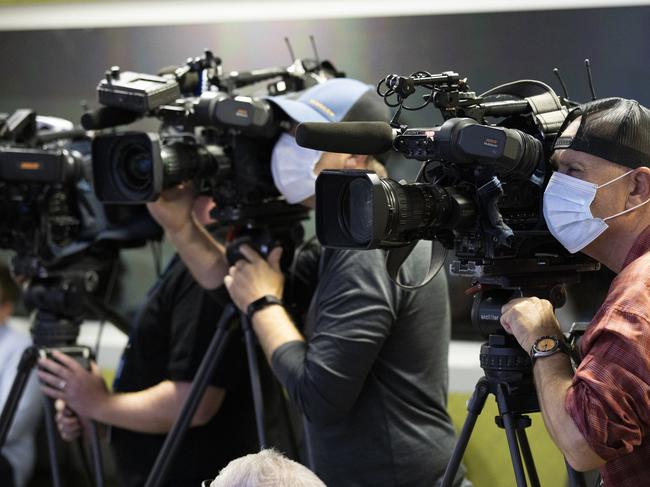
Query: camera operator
pixel 167 341
pixel 596 203
pixel 369 368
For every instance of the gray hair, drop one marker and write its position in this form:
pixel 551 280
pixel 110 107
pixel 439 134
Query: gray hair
pixel 267 468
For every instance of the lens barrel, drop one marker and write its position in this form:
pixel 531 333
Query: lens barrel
pixel 359 210
pixel 135 167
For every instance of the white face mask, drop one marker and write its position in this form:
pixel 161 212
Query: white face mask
pixel 292 167
pixel 567 211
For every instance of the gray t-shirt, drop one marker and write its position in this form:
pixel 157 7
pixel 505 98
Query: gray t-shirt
pixel 372 378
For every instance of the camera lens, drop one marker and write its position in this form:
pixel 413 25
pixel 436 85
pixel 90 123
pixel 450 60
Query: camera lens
pixel 135 167
pixel 133 162
pixel 358 219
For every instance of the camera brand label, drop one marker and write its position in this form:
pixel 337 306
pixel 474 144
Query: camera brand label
pixel 494 143
pixel 490 317
pixel 242 113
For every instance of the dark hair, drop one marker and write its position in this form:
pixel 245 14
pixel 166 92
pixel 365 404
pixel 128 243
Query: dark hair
pixel 9 291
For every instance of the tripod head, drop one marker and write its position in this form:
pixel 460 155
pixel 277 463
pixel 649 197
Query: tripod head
pixel 501 358
pixel 61 296
pixel 266 228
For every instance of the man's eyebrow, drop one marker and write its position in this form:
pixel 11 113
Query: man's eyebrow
pixel 556 160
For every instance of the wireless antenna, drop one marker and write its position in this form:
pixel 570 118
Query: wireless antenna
pixel 313 46
pixel 556 72
pixel 293 58
pixel 589 77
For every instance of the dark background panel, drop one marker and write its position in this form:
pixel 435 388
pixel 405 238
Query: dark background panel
pixel 53 70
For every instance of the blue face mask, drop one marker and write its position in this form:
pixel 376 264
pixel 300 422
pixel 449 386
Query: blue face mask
pixel 567 210
pixel 292 167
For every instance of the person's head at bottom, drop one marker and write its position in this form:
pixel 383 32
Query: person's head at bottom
pixel 267 468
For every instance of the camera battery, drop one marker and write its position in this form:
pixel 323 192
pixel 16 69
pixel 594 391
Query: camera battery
pixel 136 92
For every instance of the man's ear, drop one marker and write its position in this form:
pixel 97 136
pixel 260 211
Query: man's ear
pixel 641 187
pixel 356 161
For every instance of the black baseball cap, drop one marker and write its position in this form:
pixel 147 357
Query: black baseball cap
pixel 616 129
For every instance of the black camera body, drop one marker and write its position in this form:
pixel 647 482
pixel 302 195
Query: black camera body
pixel 479 191
pixel 214 140
pixel 210 134
pixel 480 188
pixel 49 215
pixel 41 213
pixel 214 136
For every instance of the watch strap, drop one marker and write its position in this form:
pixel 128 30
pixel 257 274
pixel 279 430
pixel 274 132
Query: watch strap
pixel 561 346
pixel 262 303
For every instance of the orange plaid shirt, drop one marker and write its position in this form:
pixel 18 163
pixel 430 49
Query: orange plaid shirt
pixel 609 399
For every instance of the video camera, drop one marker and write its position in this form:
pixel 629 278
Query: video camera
pixel 479 191
pixel 63 238
pixel 211 134
pixel 41 167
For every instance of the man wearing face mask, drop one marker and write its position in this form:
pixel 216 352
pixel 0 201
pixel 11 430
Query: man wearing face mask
pixel 369 368
pixel 597 203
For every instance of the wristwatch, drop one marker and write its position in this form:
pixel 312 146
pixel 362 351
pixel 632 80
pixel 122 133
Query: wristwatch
pixel 546 346
pixel 262 303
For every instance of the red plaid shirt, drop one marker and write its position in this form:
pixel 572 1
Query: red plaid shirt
pixel 609 399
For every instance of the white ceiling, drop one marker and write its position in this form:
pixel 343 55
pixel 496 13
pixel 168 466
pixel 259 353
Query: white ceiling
pixel 165 12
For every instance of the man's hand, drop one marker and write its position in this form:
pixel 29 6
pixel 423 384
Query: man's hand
pixel 68 423
pixel 528 319
pixel 173 209
pixel 255 277
pixel 84 392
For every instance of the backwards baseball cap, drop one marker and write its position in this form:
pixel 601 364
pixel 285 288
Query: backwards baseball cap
pixel 335 100
pixel 615 129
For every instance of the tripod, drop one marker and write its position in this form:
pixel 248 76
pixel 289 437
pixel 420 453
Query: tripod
pixel 55 326
pixel 509 377
pixel 259 240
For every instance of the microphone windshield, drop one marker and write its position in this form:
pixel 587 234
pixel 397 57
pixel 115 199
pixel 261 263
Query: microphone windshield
pixel 107 117
pixel 346 137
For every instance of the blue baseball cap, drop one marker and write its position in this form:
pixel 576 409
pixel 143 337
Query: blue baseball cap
pixel 335 100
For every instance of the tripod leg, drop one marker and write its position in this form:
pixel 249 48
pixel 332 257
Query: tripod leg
pixel 96 452
pixel 474 408
pixel 511 435
pixel 24 369
pixel 258 400
pixel 524 446
pixel 165 458
pixel 50 433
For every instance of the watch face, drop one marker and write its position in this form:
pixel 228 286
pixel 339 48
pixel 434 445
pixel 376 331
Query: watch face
pixel 545 344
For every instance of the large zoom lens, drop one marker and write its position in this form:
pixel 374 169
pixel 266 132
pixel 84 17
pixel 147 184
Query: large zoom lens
pixel 136 167
pixel 359 210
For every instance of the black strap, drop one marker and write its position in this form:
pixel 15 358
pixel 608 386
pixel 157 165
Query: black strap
pixel 396 257
pixel 262 303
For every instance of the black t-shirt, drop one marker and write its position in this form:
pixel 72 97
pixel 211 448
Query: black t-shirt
pixel 167 342
pixel 372 377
